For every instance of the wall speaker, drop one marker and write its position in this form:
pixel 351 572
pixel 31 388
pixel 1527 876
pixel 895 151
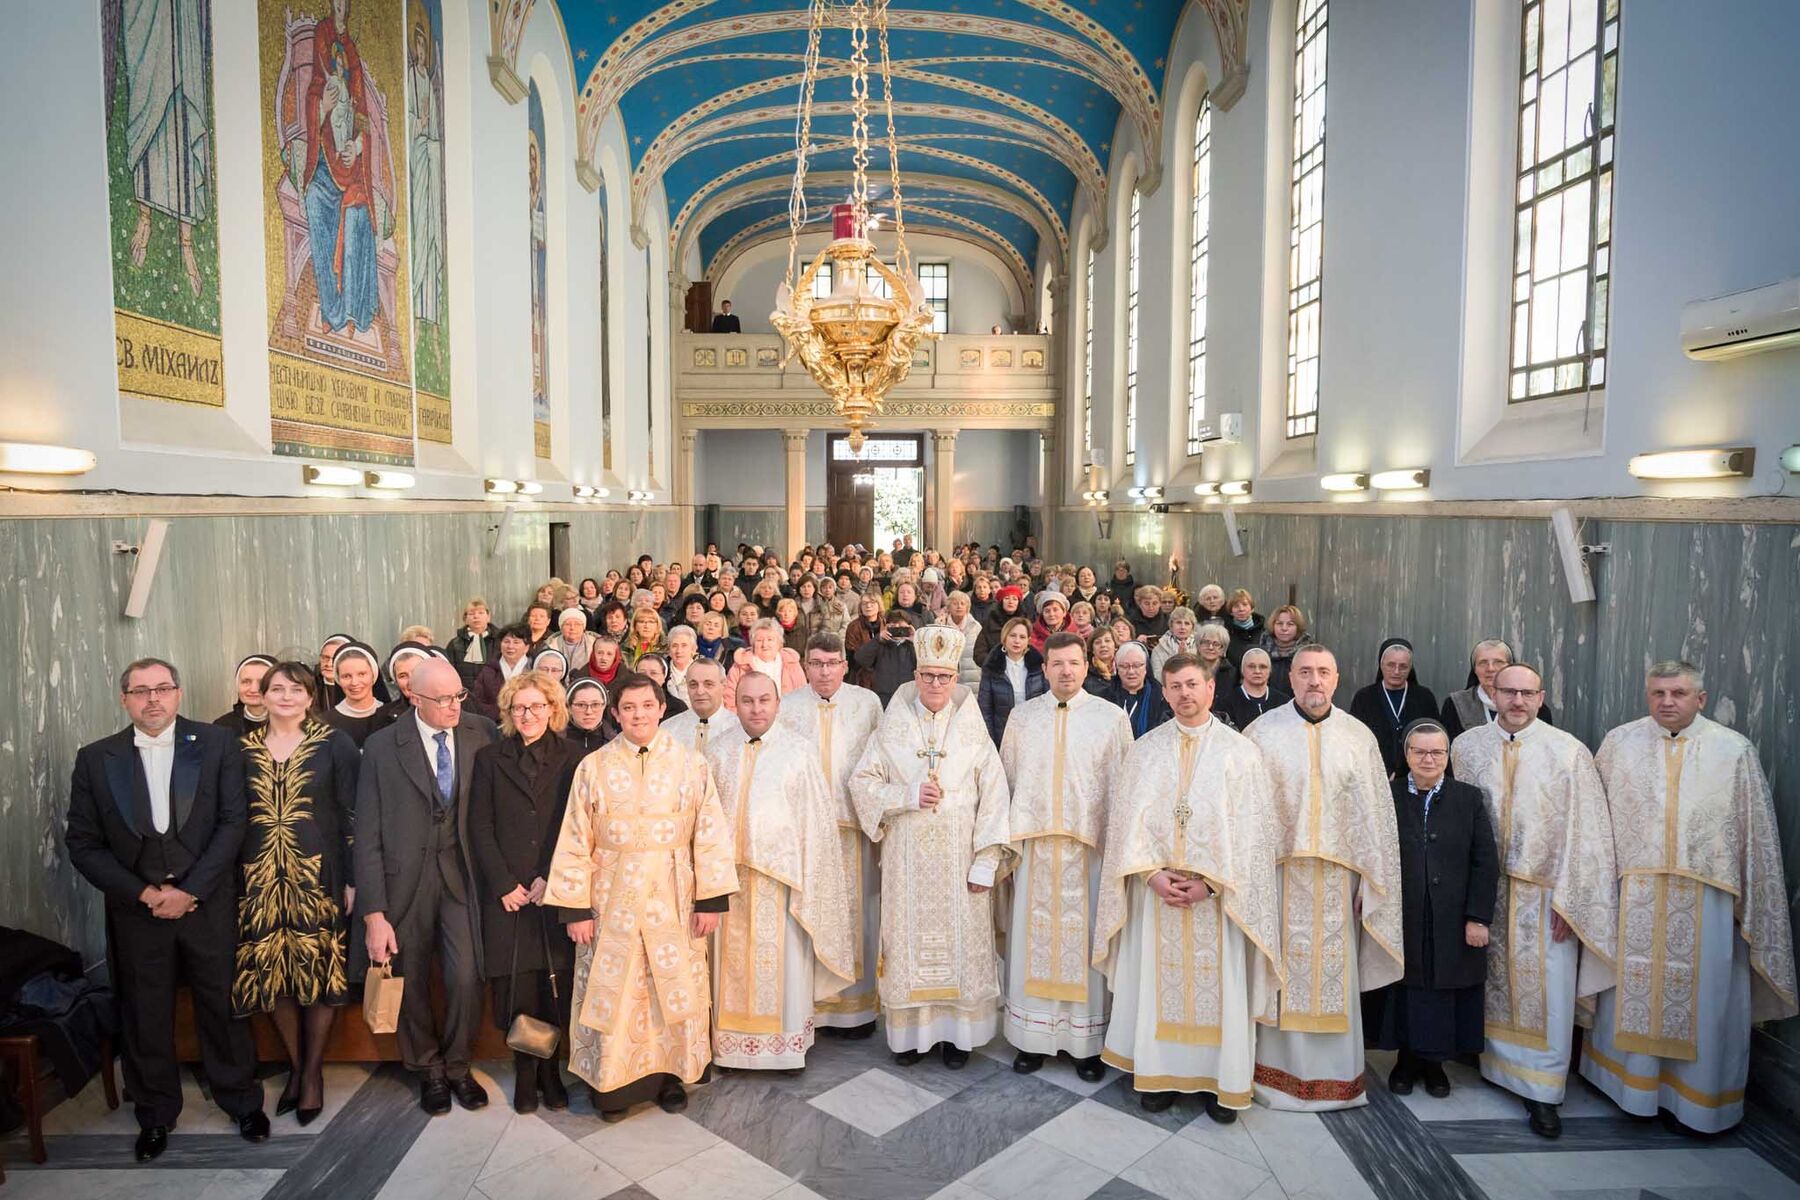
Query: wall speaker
pixel 1233 534
pixel 143 571
pixel 497 532
pixel 1574 555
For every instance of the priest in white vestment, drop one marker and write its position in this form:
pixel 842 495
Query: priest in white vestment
pixel 839 718
pixel 1189 923
pixel 1338 864
pixel 1705 944
pixel 785 943
pixel 1062 752
pixel 706 717
pixel 1550 947
pixel 930 789
pixel 646 851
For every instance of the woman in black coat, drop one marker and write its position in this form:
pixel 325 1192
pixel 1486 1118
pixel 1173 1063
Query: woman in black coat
pixel 517 793
pixel 1394 701
pixel 1449 871
pixel 1012 674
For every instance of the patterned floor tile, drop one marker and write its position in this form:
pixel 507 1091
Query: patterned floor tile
pixel 876 1101
pixel 1101 1136
pixel 1031 1170
pixel 1183 1169
pixel 565 1173
pixel 723 1172
pixel 647 1142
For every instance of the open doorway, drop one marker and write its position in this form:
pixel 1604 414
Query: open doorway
pixel 875 495
pixel 561 566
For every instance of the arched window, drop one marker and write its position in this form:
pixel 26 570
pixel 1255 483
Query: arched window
pixel 1131 335
pixel 1200 222
pixel 1087 358
pixel 1562 228
pixel 1306 221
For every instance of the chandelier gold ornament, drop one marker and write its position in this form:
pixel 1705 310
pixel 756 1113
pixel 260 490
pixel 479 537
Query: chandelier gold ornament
pixel 857 342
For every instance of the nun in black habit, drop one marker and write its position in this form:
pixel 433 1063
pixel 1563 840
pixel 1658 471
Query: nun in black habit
pixel 248 713
pixel 1395 700
pixel 591 723
pixel 358 710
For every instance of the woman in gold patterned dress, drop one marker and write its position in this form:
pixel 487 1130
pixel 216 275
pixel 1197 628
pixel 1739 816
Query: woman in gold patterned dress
pixel 300 781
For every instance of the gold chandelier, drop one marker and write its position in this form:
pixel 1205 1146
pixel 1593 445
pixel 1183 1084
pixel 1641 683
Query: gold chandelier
pixel 856 342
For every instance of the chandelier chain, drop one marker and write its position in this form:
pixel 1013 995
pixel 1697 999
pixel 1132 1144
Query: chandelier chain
pixel 797 211
pixel 859 112
pixel 902 257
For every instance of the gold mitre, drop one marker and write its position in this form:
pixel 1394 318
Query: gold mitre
pixel 939 648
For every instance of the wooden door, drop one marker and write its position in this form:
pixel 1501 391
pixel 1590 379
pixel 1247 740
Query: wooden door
pixel 849 506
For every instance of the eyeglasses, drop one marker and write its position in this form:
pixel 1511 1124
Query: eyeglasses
pixel 535 710
pixel 446 701
pixel 825 662
pixel 936 678
pixel 580 706
pixel 160 692
pixel 1411 753
pixel 1517 693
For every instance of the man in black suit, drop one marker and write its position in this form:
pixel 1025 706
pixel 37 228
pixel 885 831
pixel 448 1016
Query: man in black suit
pixel 724 322
pixel 414 883
pixel 156 816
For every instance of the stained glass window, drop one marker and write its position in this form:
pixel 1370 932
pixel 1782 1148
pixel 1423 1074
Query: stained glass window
pixel 1306 228
pixel 1562 226
pixel 1200 221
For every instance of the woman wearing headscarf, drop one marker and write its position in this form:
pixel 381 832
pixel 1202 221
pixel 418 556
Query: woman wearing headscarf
pixel 399 668
pixel 550 663
pixel 1253 694
pixel 518 790
pixel 1474 705
pixel 329 693
pixel 931 592
pixel 572 639
pixel 358 712
pixel 591 725
pixel 295 892
pixel 1052 618
pixel 1395 700
pixel 248 713
pixel 607 662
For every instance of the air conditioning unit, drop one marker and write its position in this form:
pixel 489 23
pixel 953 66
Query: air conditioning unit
pixel 1764 318
pixel 1227 429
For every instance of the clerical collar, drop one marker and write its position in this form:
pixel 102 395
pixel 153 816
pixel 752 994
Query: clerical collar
pixel 1072 701
pixel 641 750
pixel 1309 718
pixel 703 720
pixel 1513 737
pixel 1194 730
pixel 755 741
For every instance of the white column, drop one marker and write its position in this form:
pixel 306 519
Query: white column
pixel 943 514
pixel 795 442
pixel 686 493
pixel 1049 490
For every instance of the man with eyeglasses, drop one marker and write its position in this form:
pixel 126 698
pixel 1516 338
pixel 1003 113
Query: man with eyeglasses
pixel 415 882
pixel 1551 946
pixel 839 718
pixel 156 817
pixel 931 790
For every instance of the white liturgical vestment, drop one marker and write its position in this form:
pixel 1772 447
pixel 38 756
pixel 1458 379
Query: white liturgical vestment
pixel 940 975
pixel 697 732
pixel 839 729
pixel 1705 945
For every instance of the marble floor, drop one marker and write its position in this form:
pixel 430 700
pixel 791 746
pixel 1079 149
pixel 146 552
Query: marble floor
pixel 856 1127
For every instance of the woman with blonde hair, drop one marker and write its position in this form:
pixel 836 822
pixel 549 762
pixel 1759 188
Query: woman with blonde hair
pixel 645 637
pixel 518 789
pixel 1179 640
pixel 1284 636
pixel 957 616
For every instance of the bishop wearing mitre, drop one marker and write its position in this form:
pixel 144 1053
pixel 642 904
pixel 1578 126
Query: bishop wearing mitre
pixel 786 942
pixel 1705 944
pixel 644 860
pixel 1337 846
pixel 1551 946
pixel 1062 752
pixel 1189 929
pixel 930 790
pixel 838 719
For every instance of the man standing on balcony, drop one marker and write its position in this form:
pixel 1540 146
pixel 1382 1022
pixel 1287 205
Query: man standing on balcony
pixel 725 322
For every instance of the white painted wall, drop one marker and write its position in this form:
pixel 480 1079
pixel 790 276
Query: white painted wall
pixel 57 378
pixel 1705 204
pixel 982 290
pixel 747 468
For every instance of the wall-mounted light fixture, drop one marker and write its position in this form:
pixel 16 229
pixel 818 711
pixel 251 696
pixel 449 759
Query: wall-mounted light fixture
pixel 1209 488
pixel 331 476
pixel 500 487
pixel 588 491
pixel 1098 496
pixel 1235 487
pixel 1404 480
pixel 30 458
pixel 389 480
pixel 1724 463
pixel 1790 460
pixel 1349 481
pixel 639 497
pixel 530 487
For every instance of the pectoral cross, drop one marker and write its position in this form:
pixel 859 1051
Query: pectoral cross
pixel 1182 814
pixel 931 754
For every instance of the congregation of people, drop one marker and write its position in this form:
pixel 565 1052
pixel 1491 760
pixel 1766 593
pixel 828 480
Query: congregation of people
pixel 684 819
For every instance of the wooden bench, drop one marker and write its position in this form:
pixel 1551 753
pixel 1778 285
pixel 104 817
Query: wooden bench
pixel 28 1067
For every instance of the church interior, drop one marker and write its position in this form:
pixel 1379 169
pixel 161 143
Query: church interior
pixel 1446 320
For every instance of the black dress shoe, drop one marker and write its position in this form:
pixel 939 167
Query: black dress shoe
pixel 1026 1064
pixel 1546 1122
pixel 254 1126
pixel 550 1083
pixel 672 1098
pixel 151 1142
pixel 1401 1079
pixel 857 1033
pixel 525 1093
pixel 1091 1069
pixel 468 1093
pixel 612 1116
pixel 907 1058
pixel 1437 1084
pixel 1218 1111
pixel 1155 1102
pixel 434 1095
pixel 290 1095
pixel 955 1057
pixel 306 1116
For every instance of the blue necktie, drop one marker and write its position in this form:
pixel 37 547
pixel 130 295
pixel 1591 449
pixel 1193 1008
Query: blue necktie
pixel 446 775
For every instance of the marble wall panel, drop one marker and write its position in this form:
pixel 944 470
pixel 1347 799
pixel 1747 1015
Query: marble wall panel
pixel 226 586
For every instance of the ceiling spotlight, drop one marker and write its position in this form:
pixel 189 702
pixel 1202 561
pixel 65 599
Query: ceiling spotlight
pixel 30 458
pixel 500 487
pixel 1350 481
pixel 331 476
pixel 1209 488
pixel 1235 487
pixel 1695 464
pixel 1790 460
pixel 1400 481
pixel 389 480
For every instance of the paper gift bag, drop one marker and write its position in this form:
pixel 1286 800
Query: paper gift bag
pixel 382 990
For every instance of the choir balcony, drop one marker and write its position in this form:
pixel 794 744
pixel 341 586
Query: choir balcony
pixel 972 381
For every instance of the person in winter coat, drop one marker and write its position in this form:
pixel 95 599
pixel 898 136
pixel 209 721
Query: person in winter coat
pixel 1245 625
pixel 1012 674
pixel 889 658
pixel 1178 640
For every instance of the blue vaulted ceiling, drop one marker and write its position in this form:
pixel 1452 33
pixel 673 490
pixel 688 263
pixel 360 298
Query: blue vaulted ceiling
pixel 1005 109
